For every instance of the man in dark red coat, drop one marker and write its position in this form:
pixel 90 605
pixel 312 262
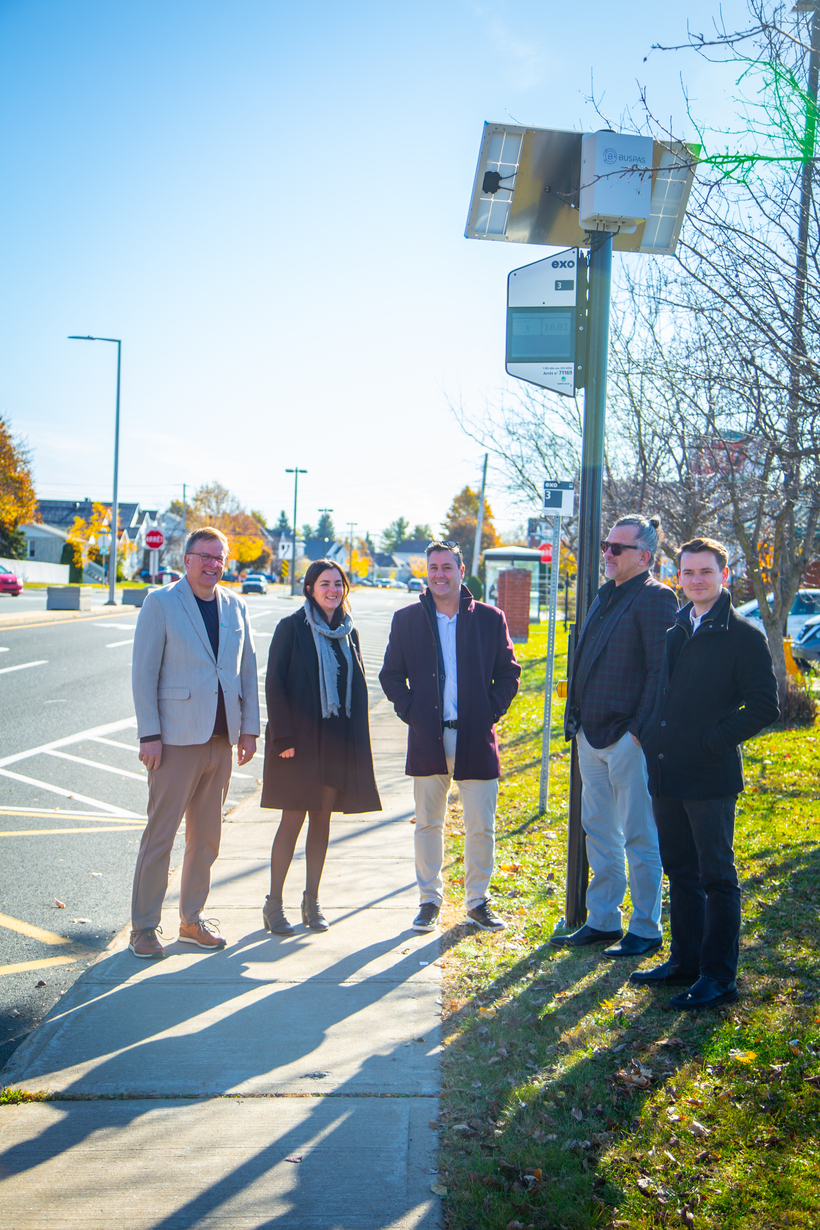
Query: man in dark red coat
pixel 451 673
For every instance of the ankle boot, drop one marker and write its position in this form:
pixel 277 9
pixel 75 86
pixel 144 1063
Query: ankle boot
pixel 273 916
pixel 312 915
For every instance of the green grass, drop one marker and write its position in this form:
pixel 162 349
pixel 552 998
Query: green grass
pixel 573 1099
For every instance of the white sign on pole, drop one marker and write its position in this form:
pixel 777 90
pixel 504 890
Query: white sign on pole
pixel 559 497
pixel 542 322
pixel 559 502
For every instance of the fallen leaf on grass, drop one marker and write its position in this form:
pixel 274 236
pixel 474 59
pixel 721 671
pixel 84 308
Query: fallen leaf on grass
pixel 636 1076
pixel 697 1129
pixel 438 1189
pixel 577 1114
pixel 672 1041
pixel 687 1217
pixel 646 1187
pixel 743 1056
pixel 298 1158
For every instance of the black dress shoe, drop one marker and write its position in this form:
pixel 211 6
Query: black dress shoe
pixel 587 935
pixel 706 993
pixel 427 917
pixel 666 975
pixel 633 946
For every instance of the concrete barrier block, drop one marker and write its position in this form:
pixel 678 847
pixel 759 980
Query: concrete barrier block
pixel 69 598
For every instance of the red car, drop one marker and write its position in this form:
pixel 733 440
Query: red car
pixel 9 583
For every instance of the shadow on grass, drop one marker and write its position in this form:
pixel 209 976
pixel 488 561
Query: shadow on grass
pixel 563 1081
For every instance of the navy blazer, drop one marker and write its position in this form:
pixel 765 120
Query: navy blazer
pixel 622 682
pixel 487 682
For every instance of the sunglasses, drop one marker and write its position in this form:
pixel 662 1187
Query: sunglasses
pixel 617 547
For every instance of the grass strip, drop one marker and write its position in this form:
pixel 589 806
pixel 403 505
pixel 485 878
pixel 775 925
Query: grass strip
pixel 572 1099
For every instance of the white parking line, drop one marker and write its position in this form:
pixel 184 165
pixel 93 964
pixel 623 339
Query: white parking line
pixel 95 764
pixel 105 623
pixel 109 728
pixel 4 649
pixel 23 666
pixel 128 747
pixel 70 794
pixel 116 644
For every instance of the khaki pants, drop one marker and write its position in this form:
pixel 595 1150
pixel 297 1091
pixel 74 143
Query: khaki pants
pixel 192 782
pixel 478 799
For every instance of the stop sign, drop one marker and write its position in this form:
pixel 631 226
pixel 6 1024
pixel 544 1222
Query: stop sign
pixel 154 539
pixel 546 552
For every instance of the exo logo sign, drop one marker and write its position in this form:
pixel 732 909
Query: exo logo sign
pixel 563 264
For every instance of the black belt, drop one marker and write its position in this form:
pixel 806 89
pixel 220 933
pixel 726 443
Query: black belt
pixel 450 725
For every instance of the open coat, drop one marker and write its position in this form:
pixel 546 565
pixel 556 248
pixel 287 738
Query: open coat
pixel 294 717
pixel 716 689
pixel 487 683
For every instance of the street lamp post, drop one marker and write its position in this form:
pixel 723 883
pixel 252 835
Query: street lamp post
pixel 295 472
pixel 352 525
pixel 115 507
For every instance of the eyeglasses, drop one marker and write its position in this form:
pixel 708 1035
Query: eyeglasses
pixel 617 547
pixel 209 559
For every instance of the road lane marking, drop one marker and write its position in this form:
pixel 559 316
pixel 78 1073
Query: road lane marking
pixel 103 623
pixel 70 794
pixel 95 764
pixel 21 967
pixel 129 747
pixel 116 644
pixel 33 933
pixel 4 649
pixel 103 828
pixel 59 813
pixel 109 728
pixel 6 670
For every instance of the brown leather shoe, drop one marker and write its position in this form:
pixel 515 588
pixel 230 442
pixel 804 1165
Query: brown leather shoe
pixel 201 933
pixel 145 943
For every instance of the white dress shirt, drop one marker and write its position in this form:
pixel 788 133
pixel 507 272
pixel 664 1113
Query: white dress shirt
pixel 696 619
pixel 447 636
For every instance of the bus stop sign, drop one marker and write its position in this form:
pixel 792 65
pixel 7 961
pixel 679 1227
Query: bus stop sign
pixel 546 320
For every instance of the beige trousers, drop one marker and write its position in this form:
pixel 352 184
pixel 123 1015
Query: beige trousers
pixel 192 782
pixel 478 800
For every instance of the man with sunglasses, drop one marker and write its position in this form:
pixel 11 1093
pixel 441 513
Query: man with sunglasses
pixel 196 693
pixel 612 691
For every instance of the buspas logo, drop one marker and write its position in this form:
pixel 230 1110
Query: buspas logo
pixel 610 157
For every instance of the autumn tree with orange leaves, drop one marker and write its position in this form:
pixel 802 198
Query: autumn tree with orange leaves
pixel 18 500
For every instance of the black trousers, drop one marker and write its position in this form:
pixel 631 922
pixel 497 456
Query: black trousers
pixel 695 838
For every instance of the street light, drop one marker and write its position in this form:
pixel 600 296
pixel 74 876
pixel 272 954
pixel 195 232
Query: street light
pixel 115 507
pixel 295 472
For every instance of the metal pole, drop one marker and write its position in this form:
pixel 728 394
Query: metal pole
pixel 295 472
pixel 115 507
pixel 184 519
pixel 548 681
pixel 479 525
pixel 589 533
pixel 352 525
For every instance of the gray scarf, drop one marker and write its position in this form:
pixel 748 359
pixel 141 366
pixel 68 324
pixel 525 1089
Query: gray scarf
pixel 323 634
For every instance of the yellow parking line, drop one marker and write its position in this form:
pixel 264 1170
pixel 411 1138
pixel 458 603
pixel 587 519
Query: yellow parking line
pixel 78 951
pixel 80 954
pixel 34 933
pixel 60 813
pixel 101 828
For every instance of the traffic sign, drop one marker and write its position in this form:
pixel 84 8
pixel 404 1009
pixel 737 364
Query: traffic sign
pixel 154 539
pixel 559 497
pixel 546 552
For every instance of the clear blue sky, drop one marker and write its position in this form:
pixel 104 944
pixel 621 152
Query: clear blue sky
pixel 266 201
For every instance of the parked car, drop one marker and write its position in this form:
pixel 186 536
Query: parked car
pixel 229 577
pixel 806 645
pixel 167 576
pixel 10 583
pixel 805 605
pixel 415 585
pixel 255 583
pixel 394 584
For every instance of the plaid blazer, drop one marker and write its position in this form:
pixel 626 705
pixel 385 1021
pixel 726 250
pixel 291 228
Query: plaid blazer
pixel 619 694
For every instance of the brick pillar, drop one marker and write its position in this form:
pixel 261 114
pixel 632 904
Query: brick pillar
pixel 514 600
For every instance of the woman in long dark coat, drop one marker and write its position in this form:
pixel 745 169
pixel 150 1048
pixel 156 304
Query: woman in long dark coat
pixel 317 743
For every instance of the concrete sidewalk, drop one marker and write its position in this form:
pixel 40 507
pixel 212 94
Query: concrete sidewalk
pixel 326 1043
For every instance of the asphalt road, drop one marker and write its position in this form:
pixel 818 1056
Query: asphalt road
pixel 73 793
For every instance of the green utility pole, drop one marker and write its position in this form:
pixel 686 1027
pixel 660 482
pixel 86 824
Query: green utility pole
pixel 295 472
pixel 589 536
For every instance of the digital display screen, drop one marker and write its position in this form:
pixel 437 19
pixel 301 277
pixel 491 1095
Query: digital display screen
pixel 540 335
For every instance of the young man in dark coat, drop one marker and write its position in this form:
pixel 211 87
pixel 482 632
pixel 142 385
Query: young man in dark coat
pixel 451 673
pixel 611 692
pixel 716 689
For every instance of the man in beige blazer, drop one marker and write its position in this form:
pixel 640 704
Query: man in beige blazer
pixel 196 694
